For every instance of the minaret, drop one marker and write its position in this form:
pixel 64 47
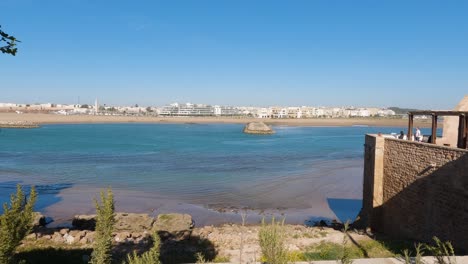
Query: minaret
pixel 96 106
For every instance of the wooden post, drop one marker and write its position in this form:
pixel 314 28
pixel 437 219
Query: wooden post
pixel 434 128
pixel 461 131
pixel 410 126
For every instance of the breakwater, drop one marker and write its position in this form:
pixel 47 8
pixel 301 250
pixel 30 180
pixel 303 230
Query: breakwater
pixel 18 124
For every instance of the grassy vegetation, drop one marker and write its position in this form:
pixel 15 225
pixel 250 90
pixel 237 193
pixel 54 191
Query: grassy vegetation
pixel 442 251
pixel 346 255
pixel 15 223
pixel 221 259
pixel 271 238
pixel 149 257
pixel 334 251
pixel 419 251
pixel 329 251
pixel 105 221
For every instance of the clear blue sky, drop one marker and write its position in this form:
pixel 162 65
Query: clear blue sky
pixel 237 52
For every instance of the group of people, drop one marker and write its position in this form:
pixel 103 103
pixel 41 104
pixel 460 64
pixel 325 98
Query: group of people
pixel 417 136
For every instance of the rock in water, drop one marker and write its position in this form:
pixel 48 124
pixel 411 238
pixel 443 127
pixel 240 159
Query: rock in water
pixel 258 128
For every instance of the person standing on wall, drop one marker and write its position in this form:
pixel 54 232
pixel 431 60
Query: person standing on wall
pixel 418 135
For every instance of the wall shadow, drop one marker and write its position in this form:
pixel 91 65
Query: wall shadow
pixel 171 251
pixel 51 255
pixel 435 203
pixel 185 251
pixel 47 194
pixel 345 209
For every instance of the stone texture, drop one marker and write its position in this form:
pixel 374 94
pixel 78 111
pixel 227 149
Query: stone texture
pixel 31 236
pixel 124 222
pixel 122 236
pixel 133 222
pixel 39 220
pixel 57 237
pixel 17 124
pixel 174 226
pixel 423 191
pixel 258 128
pixel 83 241
pixel 90 236
pixel 84 222
pixel 69 239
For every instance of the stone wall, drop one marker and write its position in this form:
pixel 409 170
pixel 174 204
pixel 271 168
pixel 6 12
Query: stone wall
pixel 424 190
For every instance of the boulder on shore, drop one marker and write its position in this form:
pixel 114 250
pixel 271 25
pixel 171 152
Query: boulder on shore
pixel 123 222
pixel 176 227
pixel 84 222
pixel 39 220
pixel 258 128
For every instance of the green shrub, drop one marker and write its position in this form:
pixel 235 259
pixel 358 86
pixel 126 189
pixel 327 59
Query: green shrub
pixel 105 221
pixel 200 258
pixel 272 242
pixel 15 222
pixel 331 251
pixel 346 256
pixel 442 251
pixel 149 257
pixel 324 251
pixel 418 255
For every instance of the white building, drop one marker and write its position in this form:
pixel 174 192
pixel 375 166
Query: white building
pixel 189 109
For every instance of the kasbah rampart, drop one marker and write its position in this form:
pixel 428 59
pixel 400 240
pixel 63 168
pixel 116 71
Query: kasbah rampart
pixel 416 190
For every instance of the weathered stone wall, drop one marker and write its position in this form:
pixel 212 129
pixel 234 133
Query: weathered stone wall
pixel 424 191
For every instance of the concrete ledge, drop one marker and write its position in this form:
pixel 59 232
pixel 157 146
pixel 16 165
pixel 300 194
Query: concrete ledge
pixel 427 260
pixel 427 144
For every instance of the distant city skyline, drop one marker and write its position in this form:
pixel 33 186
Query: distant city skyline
pixel 103 103
pixel 410 54
pixel 189 109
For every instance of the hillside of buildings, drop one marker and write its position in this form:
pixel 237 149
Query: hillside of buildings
pixel 189 109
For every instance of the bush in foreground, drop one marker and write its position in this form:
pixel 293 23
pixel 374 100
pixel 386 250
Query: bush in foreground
pixel 271 239
pixel 105 221
pixel 149 257
pixel 15 222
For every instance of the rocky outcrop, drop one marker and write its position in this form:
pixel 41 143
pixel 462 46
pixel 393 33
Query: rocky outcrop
pixel 130 228
pixel 258 128
pixel 123 222
pixel 18 124
pixel 174 226
pixel 84 222
pixel 38 219
pixel 133 222
pixel 169 226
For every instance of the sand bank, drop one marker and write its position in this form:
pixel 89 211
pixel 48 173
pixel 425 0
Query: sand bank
pixel 78 119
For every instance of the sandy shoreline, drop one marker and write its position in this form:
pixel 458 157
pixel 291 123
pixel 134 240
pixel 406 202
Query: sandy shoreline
pixel 89 119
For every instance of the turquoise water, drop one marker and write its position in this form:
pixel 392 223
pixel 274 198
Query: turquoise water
pixel 207 165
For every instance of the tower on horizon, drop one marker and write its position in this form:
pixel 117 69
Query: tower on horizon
pixel 96 106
